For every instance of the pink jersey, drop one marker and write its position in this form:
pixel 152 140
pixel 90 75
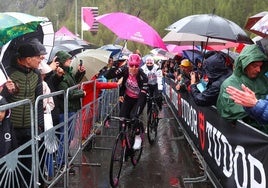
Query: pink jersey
pixel 132 87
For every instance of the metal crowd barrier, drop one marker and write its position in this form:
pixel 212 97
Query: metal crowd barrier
pixel 65 142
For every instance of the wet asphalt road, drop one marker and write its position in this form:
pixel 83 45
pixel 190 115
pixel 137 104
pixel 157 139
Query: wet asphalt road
pixel 163 165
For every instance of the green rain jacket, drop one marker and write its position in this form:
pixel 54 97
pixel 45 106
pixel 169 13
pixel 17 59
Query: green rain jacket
pixel 226 107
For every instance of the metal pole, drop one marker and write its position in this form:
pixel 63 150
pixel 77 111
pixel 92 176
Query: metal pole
pixel 75 20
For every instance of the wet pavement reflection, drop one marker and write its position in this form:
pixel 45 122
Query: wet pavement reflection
pixel 162 165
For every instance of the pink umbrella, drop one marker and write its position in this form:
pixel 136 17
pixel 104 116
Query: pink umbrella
pixel 221 47
pixel 132 28
pixel 179 49
pixel 63 31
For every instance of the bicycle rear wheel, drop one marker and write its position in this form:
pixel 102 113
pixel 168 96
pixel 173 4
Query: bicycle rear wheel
pixel 152 126
pixel 117 160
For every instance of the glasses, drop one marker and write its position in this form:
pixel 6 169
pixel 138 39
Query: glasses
pixel 133 65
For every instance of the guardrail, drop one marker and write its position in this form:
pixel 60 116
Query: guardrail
pixel 233 155
pixel 48 162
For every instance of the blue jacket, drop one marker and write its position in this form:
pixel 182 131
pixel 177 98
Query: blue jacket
pixel 260 110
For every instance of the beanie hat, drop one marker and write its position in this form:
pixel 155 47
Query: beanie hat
pixel 186 63
pixel 62 57
pixel 31 48
pixel 134 59
pixel 149 59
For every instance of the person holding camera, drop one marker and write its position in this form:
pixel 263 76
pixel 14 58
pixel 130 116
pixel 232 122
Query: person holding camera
pixel 206 91
pixel 74 103
pixel 183 78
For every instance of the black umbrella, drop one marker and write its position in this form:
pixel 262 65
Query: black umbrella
pixel 211 26
pixel 72 49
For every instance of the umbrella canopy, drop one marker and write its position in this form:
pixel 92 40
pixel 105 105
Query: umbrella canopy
pixel 179 49
pixel 59 40
pixel 44 33
pixel 15 24
pixel 211 26
pixel 183 39
pixel 93 60
pixel 161 52
pixel 252 20
pixel 116 49
pixel 261 27
pixel 72 49
pixel 131 28
pixel 64 31
pixel 221 47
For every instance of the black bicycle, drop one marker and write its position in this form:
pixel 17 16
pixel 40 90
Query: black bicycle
pixel 153 119
pixel 122 148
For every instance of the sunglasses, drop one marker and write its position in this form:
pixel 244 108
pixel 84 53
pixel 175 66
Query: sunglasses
pixel 133 65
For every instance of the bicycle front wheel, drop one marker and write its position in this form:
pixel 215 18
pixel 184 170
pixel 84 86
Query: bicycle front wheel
pixel 117 160
pixel 152 126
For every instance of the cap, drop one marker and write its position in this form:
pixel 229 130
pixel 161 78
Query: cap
pixel 63 56
pixel 32 48
pixel 44 68
pixel 134 59
pixel 186 63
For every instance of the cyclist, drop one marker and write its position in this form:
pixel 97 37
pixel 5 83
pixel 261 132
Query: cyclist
pixel 132 93
pixel 155 78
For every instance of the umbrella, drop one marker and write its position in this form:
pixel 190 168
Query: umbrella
pixel 221 47
pixel 211 26
pixel 252 20
pixel 131 28
pixel 181 39
pixel 15 24
pixel 64 31
pixel 116 49
pixel 193 55
pixel 72 49
pixel 71 40
pixel 44 33
pixel 93 60
pixel 161 52
pixel 261 27
pixel 179 49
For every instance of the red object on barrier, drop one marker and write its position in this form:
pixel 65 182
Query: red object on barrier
pixel 87 115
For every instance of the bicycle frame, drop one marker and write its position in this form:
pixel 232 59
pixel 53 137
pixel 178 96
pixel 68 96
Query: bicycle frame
pixel 123 144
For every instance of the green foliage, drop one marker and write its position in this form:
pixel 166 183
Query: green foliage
pixel 157 13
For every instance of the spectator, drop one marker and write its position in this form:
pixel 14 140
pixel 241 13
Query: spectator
pixel 7 135
pixel 155 85
pixel 53 78
pixel 183 79
pixel 250 68
pixel 74 103
pixel 257 109
pixel 24 73
pixel 216 72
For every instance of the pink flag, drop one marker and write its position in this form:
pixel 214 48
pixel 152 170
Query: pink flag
pixel 87 18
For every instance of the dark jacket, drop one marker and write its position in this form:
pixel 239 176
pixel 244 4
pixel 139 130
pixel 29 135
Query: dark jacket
pixel 216 70
pixel 142 80
pixel 7 136
pixel 30 86
pixel 75 95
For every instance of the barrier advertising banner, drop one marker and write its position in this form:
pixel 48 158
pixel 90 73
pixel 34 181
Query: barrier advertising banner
pixel 237 154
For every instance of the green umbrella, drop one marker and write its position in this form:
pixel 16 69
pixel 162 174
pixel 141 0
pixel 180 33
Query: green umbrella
pixel 14 24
